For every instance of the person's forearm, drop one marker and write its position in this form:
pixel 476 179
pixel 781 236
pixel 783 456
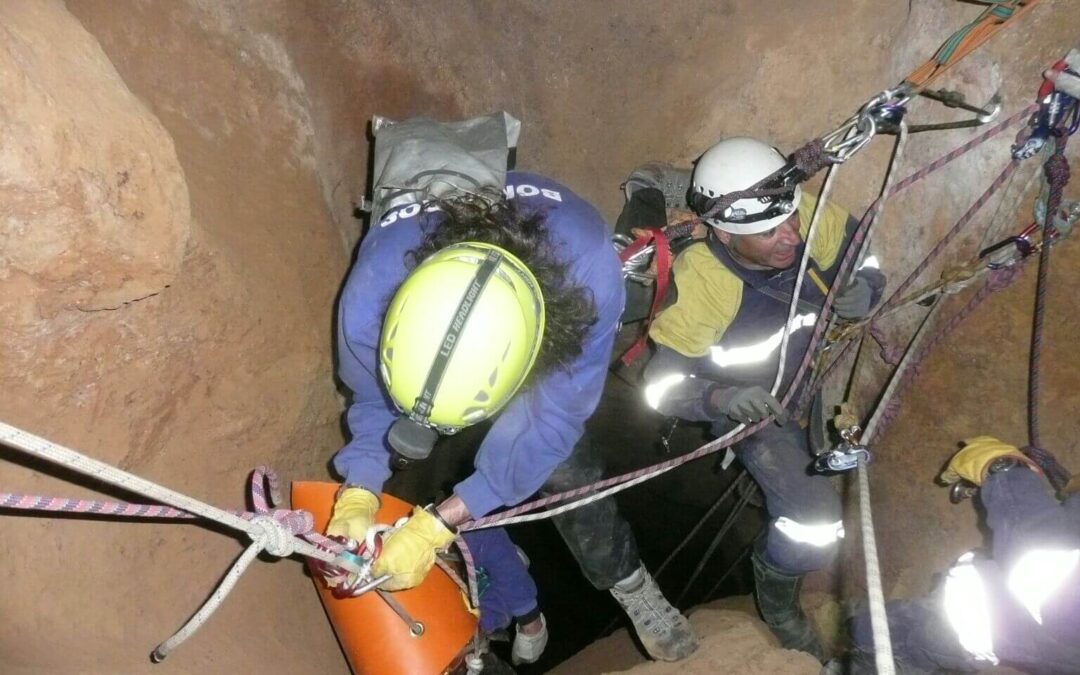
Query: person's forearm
pixel 453 511
pixel 671 388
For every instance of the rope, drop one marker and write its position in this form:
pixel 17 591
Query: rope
pixel 878 620
pixel 701 523
pixel 1057 474
pixel 819 209
pixel 629 479
pixel 883 197
pixel 892 302
pixel 275 531
pixel 883 654
pixel 891 354
pixel 949 237
pixel 740 478
pixel 731 568
pixel 1057 176
pixel 602 489
pixel 470 572
pixel 715 543
pixel 969 38
pixel 999 280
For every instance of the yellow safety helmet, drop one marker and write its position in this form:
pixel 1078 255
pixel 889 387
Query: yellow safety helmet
pixel 458 339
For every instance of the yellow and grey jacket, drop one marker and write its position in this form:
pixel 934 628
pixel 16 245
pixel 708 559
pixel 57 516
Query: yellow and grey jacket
pixel 725 327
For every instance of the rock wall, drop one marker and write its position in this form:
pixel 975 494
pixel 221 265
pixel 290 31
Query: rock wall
pixel 177 182
pixel 166 270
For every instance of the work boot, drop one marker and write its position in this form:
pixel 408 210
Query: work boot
pixel 663 630
pixel 778 602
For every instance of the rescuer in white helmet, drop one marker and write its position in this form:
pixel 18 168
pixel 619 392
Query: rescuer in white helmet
pixel 717 344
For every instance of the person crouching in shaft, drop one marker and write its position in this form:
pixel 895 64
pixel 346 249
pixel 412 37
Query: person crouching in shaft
pixel 460 309
pixel 1017 603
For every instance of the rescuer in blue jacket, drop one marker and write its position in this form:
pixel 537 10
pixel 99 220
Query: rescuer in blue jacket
pixel 1016 603
pixel 505 308
pixel 717 349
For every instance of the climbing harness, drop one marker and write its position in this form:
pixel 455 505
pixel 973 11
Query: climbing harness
pixel 635 258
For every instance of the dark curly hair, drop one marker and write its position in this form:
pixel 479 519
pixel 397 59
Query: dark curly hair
pixel 570 310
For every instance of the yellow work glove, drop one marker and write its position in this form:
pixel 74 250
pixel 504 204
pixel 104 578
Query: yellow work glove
pixel 973 461
pixel 354 513
pixel 409 552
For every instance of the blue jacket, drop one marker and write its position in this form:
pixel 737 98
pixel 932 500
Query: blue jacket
pixel 539 428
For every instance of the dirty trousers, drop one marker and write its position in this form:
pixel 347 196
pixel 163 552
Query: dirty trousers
pixel 598 537
pixel 779 459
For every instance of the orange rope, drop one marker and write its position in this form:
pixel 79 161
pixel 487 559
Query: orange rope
pixel 984 29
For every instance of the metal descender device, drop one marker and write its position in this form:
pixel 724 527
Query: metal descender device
pixel 845 456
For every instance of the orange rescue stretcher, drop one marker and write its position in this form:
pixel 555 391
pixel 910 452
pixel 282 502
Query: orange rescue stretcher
pixel 375 639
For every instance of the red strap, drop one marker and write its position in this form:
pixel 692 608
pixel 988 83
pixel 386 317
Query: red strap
pixel 1047 87
pixel 662 257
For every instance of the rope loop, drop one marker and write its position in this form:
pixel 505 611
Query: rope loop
pixel 273 536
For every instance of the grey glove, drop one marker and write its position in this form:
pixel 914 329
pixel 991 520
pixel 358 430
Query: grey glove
pixel 748 404
pixel 1067 82
pixel 855 300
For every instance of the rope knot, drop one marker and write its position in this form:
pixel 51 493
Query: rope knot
pixel 273 535
pixel 812 157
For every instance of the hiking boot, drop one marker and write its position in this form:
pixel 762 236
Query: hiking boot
pixel 778 601
pixel 663 630
pixel 673 183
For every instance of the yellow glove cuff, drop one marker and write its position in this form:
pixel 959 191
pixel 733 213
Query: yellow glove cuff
pixel 432 527
pixel 409 552
pixel 354 513
pixel 973 461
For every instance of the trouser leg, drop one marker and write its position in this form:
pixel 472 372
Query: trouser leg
pixel 598 537
pixel 510 591
pixel 802 535
pixel 922 639
pixel 805 509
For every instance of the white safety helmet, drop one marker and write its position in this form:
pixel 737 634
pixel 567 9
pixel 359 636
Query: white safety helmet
pixel 736 164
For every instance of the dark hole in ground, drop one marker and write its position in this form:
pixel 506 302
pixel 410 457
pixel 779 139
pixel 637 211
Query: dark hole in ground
pixel 661 511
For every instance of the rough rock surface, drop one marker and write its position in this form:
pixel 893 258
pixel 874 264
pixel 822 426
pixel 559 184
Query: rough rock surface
pixel 222 364
pixel 94 210
pixel 214 355
pixel 733 640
